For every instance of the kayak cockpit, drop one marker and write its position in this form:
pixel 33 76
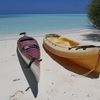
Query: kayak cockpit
pixel 62 41
pixel 25 38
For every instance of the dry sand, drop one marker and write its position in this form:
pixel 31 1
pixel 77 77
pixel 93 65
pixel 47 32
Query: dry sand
pixel 56 81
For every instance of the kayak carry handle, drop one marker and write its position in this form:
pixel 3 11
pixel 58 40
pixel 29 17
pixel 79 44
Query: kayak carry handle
pixel 22 33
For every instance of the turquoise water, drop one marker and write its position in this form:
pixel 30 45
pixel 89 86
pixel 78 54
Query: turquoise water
pixel 41 23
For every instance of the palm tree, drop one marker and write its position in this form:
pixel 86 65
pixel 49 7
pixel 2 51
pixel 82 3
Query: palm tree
pixel 94 13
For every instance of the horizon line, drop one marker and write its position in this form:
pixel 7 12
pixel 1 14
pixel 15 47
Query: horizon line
pixel 44 13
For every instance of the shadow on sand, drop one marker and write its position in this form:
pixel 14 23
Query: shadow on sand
pixel 71 66
pixel 33 84
pixel 94 36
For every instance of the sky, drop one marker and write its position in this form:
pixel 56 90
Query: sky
pixel 43 6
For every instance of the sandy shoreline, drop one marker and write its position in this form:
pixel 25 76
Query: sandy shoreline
pixel 56 82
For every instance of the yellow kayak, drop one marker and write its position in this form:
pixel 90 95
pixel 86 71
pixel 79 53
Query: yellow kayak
pixel 87 56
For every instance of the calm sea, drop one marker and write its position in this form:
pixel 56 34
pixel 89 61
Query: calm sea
pixel 36 24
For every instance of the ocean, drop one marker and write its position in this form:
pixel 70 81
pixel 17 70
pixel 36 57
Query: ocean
pixel 38 24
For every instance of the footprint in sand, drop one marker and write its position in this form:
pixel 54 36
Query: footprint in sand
pixel 17 95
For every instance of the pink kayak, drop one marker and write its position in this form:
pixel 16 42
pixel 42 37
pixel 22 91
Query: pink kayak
pixel 29 49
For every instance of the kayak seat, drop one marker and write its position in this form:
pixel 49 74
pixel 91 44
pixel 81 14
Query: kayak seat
pixel 63 43
pixel 68 41
pixel 59 42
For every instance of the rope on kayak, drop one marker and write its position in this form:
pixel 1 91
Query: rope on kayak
pixel 32 60
pixel 84 47
pixel 86 74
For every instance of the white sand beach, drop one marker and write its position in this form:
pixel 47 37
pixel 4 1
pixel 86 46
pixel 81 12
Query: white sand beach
pixel 56 81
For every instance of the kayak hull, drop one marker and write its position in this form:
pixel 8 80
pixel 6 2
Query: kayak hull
pixel 28 50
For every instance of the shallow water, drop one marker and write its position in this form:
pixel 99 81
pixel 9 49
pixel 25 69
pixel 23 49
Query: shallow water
pixel 37 24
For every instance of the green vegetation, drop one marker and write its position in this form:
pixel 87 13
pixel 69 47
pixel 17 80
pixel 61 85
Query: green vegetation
pixel 94 13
